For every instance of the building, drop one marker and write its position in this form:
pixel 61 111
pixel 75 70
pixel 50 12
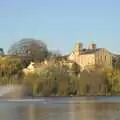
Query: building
pixel 83 58
pixel 32 66
pixel 91 56
pixel 57 60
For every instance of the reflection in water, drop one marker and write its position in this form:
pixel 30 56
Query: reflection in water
pixel 31 112
pixel 82 111
pixel 52 111
pixel 98 111
pixel 72 113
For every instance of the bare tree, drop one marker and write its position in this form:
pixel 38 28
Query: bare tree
pixel 30 49
pixel 53 54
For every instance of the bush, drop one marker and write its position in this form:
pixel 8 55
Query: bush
pixel 51 79
pixel 10 70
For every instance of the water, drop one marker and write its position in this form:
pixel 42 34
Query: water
pixel 99 108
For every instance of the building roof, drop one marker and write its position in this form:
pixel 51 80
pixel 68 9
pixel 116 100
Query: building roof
pixel 89 51
pixel 61 58
pixel 83 51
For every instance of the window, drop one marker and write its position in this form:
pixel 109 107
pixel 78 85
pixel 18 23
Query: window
pixel 105 57
pixel 99 87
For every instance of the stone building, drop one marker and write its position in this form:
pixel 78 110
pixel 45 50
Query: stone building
pixel 32 66
pixel 57 60
pixel 86 58
pixel 91 56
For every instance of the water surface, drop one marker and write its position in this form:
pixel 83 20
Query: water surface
pixel 100 108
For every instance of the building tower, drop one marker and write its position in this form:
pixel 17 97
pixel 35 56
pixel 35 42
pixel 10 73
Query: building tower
pixel 92 46
pixel 78 48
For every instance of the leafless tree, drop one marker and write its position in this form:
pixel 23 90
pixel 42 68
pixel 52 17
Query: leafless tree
pixel 30 49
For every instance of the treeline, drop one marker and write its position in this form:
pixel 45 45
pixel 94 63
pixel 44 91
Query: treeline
pixel 31 50
pixel 54 79
pixel 10 70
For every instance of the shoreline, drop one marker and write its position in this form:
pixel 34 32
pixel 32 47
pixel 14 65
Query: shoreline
pixel 66 100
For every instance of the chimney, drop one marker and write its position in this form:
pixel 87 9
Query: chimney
pixel 92 46
pixel 78 46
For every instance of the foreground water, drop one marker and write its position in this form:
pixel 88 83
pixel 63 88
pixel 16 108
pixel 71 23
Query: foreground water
pixel 100 108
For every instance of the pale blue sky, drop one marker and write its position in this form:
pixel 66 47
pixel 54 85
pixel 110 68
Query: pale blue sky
pixel 61 23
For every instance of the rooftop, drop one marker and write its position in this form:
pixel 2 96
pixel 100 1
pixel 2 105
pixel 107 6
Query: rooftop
pixel 89 51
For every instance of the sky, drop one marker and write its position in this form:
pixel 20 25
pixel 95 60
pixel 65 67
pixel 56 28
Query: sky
pixel 61 23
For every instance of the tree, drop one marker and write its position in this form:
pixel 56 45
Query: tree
pixel 51 79
pixel 29 49
pixel 113 84
pixel 116 61
pixel 32 82
pixel 55 77
pixel 73 85
pixel 54 54
pixel 75 68
pixel 10 69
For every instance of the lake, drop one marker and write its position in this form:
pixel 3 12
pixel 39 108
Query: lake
pixel 61 108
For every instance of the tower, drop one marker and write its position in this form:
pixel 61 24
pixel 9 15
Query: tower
pixel 92 46
pixel 78 48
